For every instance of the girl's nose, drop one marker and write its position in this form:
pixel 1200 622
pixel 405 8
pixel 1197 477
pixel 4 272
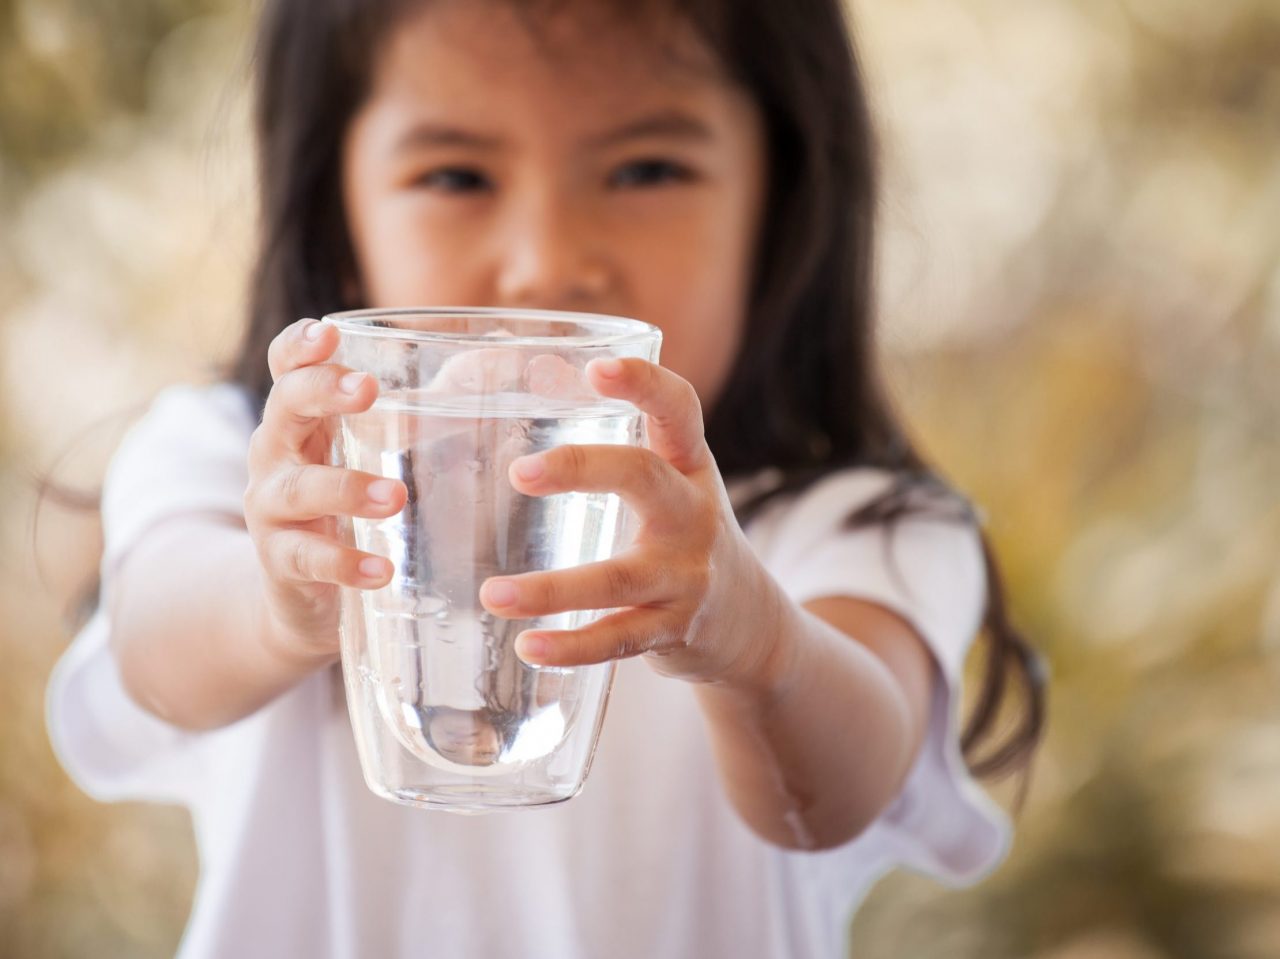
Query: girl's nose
pixel 551 262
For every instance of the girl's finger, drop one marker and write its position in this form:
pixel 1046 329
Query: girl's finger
pixel 617 636
pixel 302 398
pixel 674 415
pixel 299 556
pixel 301 344
pixel 649 484
pixel 299 494
pixel 626 580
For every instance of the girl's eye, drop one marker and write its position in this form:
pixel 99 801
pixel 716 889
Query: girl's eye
pixel 643 173
pixel 454 180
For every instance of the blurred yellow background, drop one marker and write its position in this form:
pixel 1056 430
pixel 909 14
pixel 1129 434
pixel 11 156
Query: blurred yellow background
pixel 1081 300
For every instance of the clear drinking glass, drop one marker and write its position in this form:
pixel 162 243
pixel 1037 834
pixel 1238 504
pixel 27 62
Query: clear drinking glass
pixel 445 714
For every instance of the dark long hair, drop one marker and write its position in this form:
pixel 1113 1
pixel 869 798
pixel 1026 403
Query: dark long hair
pixel 805 398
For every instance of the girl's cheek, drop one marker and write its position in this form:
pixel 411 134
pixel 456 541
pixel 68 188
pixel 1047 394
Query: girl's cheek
pixel 412 260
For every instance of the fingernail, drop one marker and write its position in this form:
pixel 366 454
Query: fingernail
pixel 529 467
pixel 372 568
pixel 351 382
pixel 608 368
pixel 381 491
pixel 532 647
pixel 501 592
pixel 313 331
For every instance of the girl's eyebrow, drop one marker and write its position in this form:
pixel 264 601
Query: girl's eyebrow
pixel 672 124
pixel 439 135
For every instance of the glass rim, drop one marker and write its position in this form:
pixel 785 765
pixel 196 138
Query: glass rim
pixel 623 330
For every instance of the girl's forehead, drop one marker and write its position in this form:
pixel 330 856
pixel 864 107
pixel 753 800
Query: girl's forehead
pixel 467 51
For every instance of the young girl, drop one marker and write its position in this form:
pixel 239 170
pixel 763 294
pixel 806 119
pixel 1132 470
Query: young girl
pixel 798 603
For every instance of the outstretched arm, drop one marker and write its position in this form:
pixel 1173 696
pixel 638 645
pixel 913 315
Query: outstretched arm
pixel 816 713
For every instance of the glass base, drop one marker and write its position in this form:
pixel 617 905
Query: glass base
pixel 471 799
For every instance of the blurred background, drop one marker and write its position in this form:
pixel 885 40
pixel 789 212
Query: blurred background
pixel 1081 298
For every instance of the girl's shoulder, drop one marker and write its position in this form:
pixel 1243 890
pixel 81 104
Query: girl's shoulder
pixel 844 489
pixel 188 404
pixel 185 421
pixel 184 418
pixel 926 563
pixel 186 453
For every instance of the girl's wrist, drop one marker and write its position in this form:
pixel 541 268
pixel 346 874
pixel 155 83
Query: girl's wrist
pixel 291 652
pixel 765 627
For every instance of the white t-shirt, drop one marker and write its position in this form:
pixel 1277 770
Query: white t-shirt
pixel 299 858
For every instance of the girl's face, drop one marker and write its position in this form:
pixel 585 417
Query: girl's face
pixel 596 174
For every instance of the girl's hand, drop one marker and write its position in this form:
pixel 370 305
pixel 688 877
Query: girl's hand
pixel 695 589
pixel 293 497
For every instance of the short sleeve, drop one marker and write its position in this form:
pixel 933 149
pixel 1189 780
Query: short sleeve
pixel 187 454
pixel 930 571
